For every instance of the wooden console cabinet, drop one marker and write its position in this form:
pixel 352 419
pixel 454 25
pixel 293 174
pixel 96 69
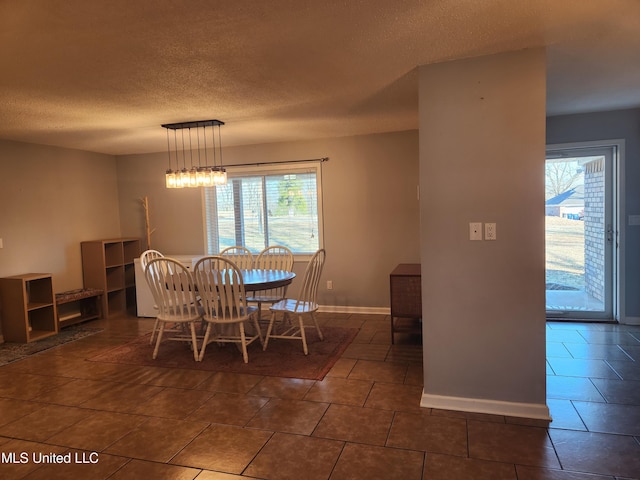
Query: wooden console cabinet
pixel 108 265
pixel 406 299
pixel 28 307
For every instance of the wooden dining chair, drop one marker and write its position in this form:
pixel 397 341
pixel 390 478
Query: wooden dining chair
pixel 272 258
pixel 145 258
pixel 226 313
pixel 239 255
pixel 275 257
pixel 304 306
pixel 174 293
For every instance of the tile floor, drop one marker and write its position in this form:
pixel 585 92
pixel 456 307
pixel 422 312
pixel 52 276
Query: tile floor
pixel 363 421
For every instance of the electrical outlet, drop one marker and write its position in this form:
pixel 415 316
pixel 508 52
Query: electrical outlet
pixel 329 284
pixel 490 231
pixel 475 231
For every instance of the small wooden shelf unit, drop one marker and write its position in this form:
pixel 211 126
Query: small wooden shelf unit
pixel 406 299
pixel 108 265
pixel 79 305
pixel 28 307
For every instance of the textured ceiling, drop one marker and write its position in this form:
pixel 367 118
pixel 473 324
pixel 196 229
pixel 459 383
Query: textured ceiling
pixel 104 75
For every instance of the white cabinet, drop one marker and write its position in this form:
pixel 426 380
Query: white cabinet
pixel 144 299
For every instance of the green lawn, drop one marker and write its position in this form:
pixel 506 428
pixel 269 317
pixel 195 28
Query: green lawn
pixel 565 252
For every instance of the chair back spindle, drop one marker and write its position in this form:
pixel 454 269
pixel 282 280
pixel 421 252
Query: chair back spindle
pixel 309 291
pixel 275 258
pixel 221 287
pixel 147 256
pixel 241 256
pixel 172 287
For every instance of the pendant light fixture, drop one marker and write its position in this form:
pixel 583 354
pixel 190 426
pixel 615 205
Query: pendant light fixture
pixel 190 153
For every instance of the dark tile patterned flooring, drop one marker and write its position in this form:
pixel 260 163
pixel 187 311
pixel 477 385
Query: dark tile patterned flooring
pixel 363 421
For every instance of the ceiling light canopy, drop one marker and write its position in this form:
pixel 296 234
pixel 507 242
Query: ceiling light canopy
pixel 194 153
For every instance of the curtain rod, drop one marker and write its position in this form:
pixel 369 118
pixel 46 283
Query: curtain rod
pixel 321 160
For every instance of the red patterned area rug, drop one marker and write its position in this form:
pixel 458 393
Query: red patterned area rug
pixel 283 358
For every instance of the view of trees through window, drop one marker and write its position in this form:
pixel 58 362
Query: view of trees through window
pixel 561 176
pixel 262 210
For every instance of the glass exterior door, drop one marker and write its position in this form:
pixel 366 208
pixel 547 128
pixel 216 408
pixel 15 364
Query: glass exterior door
pixel 580 233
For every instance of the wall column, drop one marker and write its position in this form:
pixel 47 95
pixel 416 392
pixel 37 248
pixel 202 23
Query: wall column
pixel 482 151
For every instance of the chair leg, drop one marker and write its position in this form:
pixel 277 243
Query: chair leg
pixel 158 340
pixel 243 341
pixel 153 332
pixel 259 313
pixel 287 319
pixel 269 328
pixel 205 341
pixel 194 342
pixel 256 325
pixel 303 335
pixel 315 322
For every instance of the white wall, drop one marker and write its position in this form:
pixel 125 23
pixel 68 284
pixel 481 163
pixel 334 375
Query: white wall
pixel 482 147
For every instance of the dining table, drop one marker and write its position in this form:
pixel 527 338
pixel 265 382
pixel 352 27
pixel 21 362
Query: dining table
pixel 256 279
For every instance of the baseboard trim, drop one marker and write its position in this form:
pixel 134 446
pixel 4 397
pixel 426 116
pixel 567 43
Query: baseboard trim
pixel 353 309
pixel 631 321
pixel 493 407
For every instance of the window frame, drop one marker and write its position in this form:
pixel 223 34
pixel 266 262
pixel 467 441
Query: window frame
pixel 266 170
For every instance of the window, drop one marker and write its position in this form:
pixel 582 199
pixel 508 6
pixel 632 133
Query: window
pixel 259 207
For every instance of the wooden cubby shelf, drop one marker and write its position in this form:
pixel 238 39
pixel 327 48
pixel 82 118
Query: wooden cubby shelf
pixel 108 265
pixel 29 308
